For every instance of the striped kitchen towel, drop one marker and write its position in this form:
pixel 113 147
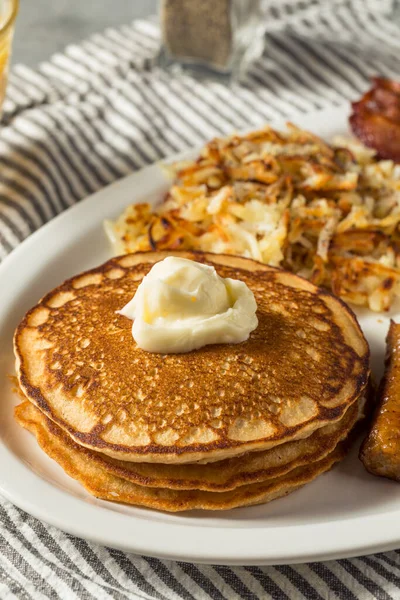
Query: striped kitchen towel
pixel 103 109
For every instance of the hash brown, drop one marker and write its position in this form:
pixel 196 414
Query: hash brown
pixel 328 212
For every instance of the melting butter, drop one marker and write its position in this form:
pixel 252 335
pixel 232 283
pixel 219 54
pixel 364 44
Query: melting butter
pixel 182 305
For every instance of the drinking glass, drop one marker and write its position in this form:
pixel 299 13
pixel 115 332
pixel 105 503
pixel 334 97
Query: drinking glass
pixel 8 13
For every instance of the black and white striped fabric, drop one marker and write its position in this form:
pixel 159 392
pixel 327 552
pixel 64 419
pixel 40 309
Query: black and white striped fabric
pixel 102 110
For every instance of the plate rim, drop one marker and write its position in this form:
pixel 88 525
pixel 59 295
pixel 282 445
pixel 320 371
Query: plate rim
pixel 180 548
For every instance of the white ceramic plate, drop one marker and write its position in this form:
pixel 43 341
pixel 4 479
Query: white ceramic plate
pixel 346 512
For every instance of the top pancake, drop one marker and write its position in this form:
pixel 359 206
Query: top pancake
pixel 301 369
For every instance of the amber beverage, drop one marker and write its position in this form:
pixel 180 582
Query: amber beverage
pixel 8 13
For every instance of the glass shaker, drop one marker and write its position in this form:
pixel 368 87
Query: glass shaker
pixel 211 36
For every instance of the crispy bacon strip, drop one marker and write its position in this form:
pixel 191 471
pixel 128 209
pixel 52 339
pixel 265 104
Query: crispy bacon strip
pixel 376 118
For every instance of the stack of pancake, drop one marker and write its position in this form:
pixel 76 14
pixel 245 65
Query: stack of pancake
pixel 216 428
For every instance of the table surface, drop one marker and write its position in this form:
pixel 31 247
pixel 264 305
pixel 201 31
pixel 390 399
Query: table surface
pixel 47 26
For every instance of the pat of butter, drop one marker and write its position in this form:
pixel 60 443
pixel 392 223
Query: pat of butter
pixel 182 305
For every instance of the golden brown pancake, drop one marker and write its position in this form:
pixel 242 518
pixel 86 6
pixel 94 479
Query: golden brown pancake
pixel 230 473
pixel 78 463
pixel 301 369
pixel 233 472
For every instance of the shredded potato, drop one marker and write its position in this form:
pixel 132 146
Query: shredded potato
pixel 329 212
